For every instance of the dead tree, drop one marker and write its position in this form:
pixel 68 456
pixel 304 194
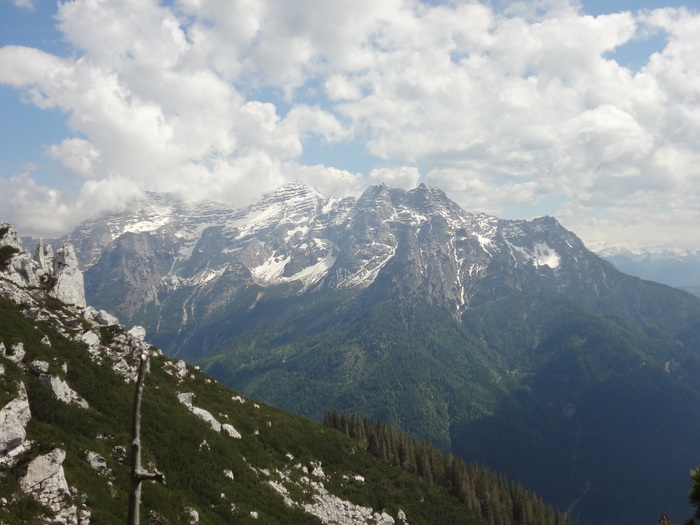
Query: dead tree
pixel 138 474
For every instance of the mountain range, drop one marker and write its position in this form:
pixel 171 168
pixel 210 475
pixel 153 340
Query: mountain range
pixel 679 268
pixel 67 390
pixel 504 342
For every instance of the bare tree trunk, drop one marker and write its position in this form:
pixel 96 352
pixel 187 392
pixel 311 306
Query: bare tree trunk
pixel 138 474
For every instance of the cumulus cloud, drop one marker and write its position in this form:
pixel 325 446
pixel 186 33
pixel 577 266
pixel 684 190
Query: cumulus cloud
pixel 25 66
pixel 504 110
pixel 77 156
pixel 406 177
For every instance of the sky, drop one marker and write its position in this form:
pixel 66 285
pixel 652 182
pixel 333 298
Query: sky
pixel 588 111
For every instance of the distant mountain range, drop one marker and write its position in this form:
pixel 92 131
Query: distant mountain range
pixel 679 268
pixel 505 342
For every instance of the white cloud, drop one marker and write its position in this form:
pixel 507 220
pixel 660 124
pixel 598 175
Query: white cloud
pixel 78 157
pixel 25 66
pixel 44 212
pixel 504 111
pixel 25 4
pixel 330 181
pixel 406 177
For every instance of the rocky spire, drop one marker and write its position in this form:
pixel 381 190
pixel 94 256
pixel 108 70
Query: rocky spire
pixel 69 287
pixel 59 274
pixel 44 255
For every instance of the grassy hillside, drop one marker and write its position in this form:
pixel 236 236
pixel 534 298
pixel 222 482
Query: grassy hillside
pixel 223 479
pixel 570 402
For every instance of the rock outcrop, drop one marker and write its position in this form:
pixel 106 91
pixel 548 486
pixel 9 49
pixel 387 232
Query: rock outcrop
pixel 46 481
pixel 14 417
pixel 69 286
pixel 58 274
pixel 58 385
pixel 97 462
pixel 186 399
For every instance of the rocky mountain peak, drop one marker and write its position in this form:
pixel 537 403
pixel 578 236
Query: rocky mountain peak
pixel 296 235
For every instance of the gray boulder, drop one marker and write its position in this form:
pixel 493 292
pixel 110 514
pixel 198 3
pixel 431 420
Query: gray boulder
pixel 46 481
pixel 14 417
pixel 69 287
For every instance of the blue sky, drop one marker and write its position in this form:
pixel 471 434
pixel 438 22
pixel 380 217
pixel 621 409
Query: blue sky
pixel 584 111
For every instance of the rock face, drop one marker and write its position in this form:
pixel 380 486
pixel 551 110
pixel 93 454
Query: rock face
pixel 187 398
pixel 60 274
pixel 184 261
pixel 62 391
pixel 328 508
pixel 69 286
pixel 46 481
pixel 14 417
pixel 96 462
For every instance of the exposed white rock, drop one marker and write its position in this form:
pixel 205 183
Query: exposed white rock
pixel 20 268
pixel 207 417
pixel 9 236
pixel 330 509
pixel 46 481
pixel 100 317
pixel 123 345
pixel 186 398
pixel 43 255
pixel 97 462
pixel 176 368
pixel 69 287
pixel 32 272
pixel 90 338
pixel 317 470
pixel 231 431
pixel 38 367
pixel 62 391
pixel 14 417
pixel 192 516
pixel 14 293
pixel 46 341
pixel 138 332
pixel 16 353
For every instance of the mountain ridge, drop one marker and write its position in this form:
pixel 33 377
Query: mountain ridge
pixel 66 383
pixel 462 328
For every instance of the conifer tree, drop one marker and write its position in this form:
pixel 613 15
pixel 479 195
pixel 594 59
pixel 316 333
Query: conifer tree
pixel 694 494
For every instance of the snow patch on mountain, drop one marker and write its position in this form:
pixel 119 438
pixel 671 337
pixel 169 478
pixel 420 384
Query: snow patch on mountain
pixel 543 255
pixel 150 225
pixel 271 269
pixel 315 272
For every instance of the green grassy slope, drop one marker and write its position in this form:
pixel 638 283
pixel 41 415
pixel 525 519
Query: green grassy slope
pixel 274 446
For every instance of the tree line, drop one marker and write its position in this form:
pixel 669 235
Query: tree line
pixel 488 494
